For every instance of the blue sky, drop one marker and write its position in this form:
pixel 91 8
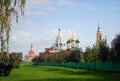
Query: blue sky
pixel 43 18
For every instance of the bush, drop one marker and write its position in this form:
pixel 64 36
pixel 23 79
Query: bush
pixel 8 63
pixel 6 66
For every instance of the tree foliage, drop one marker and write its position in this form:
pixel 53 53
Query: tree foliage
pixel 116 47
pixel 104 50
pixel 91 53
pixel 17 58
pixel 9 10
pixel 75 56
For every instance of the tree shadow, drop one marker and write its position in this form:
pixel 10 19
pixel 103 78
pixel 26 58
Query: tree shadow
pixel 94 73
pixel 98 75
pixel 66 79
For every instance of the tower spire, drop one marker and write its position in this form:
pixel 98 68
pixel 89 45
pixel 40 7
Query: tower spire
pixel 98 25
pixel 98 35
pixel 31 46
pixel 59 29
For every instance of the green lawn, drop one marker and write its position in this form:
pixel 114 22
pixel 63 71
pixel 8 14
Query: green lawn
pixel 50 73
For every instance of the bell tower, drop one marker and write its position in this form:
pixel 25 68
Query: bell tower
pixel 98 35
pixel 59 45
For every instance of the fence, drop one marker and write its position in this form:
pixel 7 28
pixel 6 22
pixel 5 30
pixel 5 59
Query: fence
pixel 94 65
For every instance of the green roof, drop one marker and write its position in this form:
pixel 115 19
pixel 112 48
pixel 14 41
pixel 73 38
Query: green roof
pixel 69 41
pixel 77 41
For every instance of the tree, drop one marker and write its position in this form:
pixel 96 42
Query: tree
pixel 18 55
pixel 51 58
pixel 81 56
pixel 95 53
pixel 75 56
pixel 35 60
pixel 43 58
pixel 116 46
pixel 103 50
pixel 112 55
pixel 61 57
pixel 15 58
pixel 91 54
pixel 8 10
pixel 87 53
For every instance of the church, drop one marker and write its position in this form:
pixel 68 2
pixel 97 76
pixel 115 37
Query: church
pixel 73 43
pixel 59 45
pixel 30 55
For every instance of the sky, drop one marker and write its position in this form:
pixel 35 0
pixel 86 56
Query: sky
pixel 39 26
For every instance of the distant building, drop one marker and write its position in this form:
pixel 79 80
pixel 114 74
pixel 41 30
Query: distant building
pixel 98 36
pixel 73 43
pixel 30 55
pixel 59 45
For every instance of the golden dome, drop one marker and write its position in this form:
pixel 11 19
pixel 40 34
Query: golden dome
pixel 73 39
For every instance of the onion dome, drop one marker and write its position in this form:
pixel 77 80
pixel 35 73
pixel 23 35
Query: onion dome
pixel 69 41
pixel 77 41
pixel 73 39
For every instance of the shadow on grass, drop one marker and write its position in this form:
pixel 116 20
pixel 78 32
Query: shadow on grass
pixel 71 72
pixel 98 74
pixel 67 79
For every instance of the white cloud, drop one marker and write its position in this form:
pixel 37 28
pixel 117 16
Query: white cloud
pixel 43 7
pixel 65 2
pixel 23 37
pixel 20 41
pixel 39 7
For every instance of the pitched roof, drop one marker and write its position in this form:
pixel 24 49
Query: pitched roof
pixel 31 53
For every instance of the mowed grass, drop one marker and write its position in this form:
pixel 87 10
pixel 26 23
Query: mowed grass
pixel 51 73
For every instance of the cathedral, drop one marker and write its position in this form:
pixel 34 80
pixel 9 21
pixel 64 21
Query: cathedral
pixel 73 43
pixel 70 43
pixel 59 45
